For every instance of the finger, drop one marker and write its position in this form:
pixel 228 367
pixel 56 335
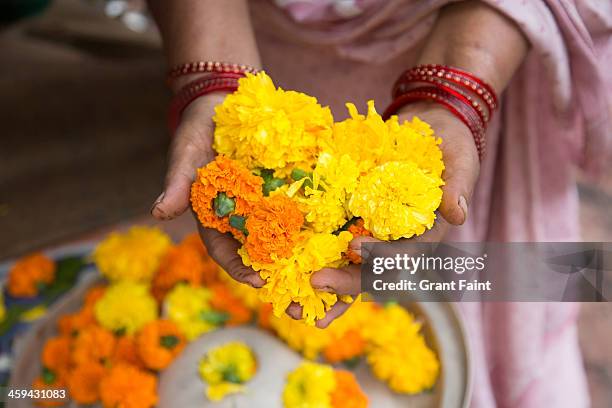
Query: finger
pixel 460 174
pixel 224 250
pixel 356 245
pixel 344 281
pixel 294 311
pixel 332 314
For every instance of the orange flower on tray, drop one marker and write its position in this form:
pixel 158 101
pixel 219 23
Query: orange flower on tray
pixel 223 188
pixel 211 269
pixel 224 300
pixel 29 274
pixel 56 354
pixel 182 263
pixel 347 393
pixel 72 324
pixel 94 294
pixel 84 382
pixel 93 344
pixel 347 347
pixel 273 228
pixel 159 342
pixel 358 230
pixel 126 351
pixel 127 386
pixel 48 382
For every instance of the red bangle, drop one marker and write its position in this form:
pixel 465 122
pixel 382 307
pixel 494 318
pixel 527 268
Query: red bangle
pixel 227 82
pixel 208 66
pixel 449 75
pixel 408 82
pixel 455 105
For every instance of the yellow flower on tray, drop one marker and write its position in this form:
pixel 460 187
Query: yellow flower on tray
pixel 189 307
pixel 398 354
pixel 267 127
pixel 309 385
pixel 397 200
pixel 125 307
pixel 132 255
pixel 226 368
pixel 313 385
pixel 288 279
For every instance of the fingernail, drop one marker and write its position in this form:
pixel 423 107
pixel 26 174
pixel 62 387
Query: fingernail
pixel 157 201
pixel 464 207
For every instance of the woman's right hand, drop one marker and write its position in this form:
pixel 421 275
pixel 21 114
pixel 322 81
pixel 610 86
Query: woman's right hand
pixel 191 149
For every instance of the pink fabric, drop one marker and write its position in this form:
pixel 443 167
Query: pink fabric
pixel 554 114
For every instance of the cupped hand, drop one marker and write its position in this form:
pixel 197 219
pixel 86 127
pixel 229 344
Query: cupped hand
pixel 462 167
pixel 191 149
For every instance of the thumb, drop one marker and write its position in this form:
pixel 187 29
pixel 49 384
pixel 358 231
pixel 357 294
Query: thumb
pixel 191 148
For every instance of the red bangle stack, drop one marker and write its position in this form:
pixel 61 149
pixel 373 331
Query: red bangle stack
pixel 465 95
pixel 221 77
pixel 208 67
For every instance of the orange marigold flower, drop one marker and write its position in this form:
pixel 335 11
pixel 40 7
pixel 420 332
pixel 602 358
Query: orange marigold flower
pixel 349 346
pixel 210 273
pixel 235 181
pixel 159 342
pixel 72 324
pixel 56 354
pixel 94 294
pixel 358 230
pixel 273 228
pixel 93 344
pixel 84 382
pixel 127 386
pixel 183 263
pixel 263 316
pixel 224 300
pixel 29 273
pixel 126 351
pixel 348 393
pixel 56 383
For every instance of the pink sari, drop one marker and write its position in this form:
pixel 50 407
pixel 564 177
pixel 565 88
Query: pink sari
pixel 554 117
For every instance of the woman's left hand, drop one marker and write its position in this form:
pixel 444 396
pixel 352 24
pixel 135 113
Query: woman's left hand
pixel 461 172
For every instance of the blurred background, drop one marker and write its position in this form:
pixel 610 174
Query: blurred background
pixel 84 139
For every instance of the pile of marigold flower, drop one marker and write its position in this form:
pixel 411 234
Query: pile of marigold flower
pixel 289 183
pixel 159 296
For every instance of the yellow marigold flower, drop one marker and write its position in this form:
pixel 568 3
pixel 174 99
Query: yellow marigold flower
pixel 311 341
pixel 326 192
pixel 189 307
pixel 370 141
pixel 248 294
pixel 397 200
pixel 288 279
pixel 309 385
pixel 415 141
pixel 366 139
pixel 226 368
pixel 125 307
pixel 267 127
pixel 133 255
pixel 398 354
